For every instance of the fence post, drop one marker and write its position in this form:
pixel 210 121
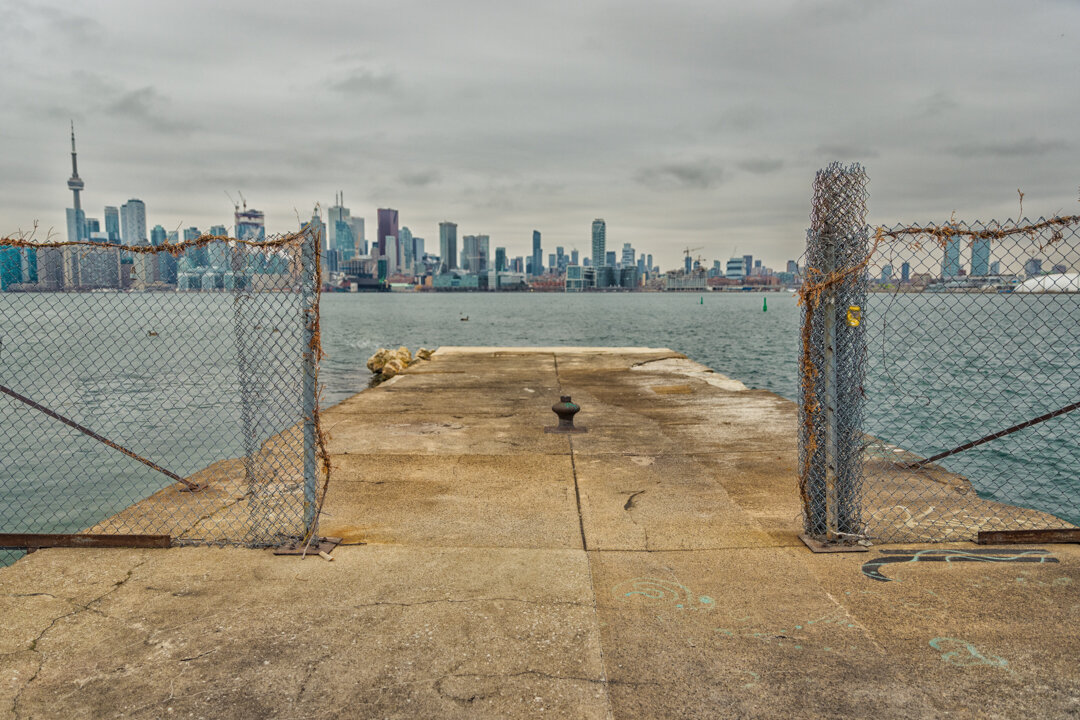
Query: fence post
pixel 833 354
pixel 243 361
pixel 309 293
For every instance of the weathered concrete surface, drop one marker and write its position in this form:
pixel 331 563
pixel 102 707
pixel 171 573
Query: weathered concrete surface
pixel 649 568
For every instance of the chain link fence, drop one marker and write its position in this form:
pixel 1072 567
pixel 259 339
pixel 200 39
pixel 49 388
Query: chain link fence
pixel 161 391
pixel 940 373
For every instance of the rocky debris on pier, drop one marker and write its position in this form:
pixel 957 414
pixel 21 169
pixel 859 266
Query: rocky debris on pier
pixel 386 363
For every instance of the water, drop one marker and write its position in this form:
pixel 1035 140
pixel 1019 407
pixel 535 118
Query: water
pixel 118 376
pixel 729 332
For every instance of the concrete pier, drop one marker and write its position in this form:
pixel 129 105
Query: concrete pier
pixel 649 568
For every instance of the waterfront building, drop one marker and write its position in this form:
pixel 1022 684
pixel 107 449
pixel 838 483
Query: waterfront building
pixel 387 237
pixel 574 281
pixel 553 263
pixel 1033 267
pixel 735 268
pixel 157 236
pixel 995 268
pixel 609 258
pixel 418 255
pixel 980 257
pixel 627 255
pixel 470 255
pixel 628 277
pixel 905 272
pixel 793 267
pixel 338 213
pixel 574 257
pixel 217 253
pixel 599 240
pixel 500 259
pixel 537 254
pixel 93 225
pixel 950 263
pixel 886 273
pixel 99 268
pixel 688 264
pixel 11 267
pixel 648 262
pixel 641 265
pixel 447 246
pixel 112 224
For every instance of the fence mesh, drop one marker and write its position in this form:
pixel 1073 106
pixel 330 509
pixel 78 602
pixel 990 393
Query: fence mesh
pixel 130 375
pixel 940 373
pixel 973 330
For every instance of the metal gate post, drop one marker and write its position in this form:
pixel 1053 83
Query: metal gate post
pixel 309 293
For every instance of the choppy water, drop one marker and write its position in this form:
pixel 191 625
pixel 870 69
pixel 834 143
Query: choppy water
pixel 111 381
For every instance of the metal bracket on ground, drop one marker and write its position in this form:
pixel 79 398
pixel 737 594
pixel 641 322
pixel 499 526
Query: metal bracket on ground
pixel 35 541
pixel 834 546
pixel 1035 537
pixel 299 547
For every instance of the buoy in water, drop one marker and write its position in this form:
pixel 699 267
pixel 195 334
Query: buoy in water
pixel 764 304
pixel 702 298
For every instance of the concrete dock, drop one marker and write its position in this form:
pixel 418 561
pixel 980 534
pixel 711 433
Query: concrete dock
pixel 649 568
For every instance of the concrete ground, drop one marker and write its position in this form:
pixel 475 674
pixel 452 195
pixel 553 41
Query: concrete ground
pixel 646 569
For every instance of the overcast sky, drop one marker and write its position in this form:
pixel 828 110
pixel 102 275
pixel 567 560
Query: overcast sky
pixel 680 123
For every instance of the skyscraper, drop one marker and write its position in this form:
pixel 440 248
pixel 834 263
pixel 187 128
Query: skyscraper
pixel 112 224
pixel 500 259
pixel 537 255
pixel 387 239
pixel 133 222
pixel 574 255
pixel 405 241
pixel 599 240
pixel 338 213
pixel 627 255
pixel 980 256
pixel 447 246
pixel 748 262
pixel 950 264
pixel 250 225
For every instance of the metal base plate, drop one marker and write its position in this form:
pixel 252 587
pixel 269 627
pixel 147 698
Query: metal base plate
pixel 820 546
pixel 297 547
pixel 560 431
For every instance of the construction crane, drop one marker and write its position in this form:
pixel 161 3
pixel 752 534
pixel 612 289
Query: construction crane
pixel 242 198
pixel 236 205
pixel 689 250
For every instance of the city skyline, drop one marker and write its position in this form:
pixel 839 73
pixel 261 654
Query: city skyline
pixel 683 125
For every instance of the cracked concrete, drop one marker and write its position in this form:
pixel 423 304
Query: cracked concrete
pixel 648 568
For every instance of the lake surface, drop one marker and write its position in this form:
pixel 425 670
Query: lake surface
pixel 173 395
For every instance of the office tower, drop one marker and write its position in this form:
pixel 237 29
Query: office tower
pixel 1033 267
pixel 648 262
pixel 886 273
pixel 529 265
pixel 574 255
pixel 218 252
pixel 627 255
pixel 405 241
pixel 599 240
pixel 609 258
pixel 748 264
pixel 250 225
pixel 133 222
pixel 157 236
pixel 687 263
pixel 905 272
pixel 112 224
pixel 553 263
pixel 418 255
pixel 641 264
pixel 950 264
pixel 357 225
pixel 335 215
pixel 537 254
pixel 995 268
pixel 483 252
pixel 793 267
pixel 387 237
pixel 93 225
pixel 980 256
pixel 11 267
pixel 447 246
pixel 469 260
pixel 500 259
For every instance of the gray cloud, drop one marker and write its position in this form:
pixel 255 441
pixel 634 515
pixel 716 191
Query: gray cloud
pixel 364 82
pixel 845 152
pixel 420 178
pixel 761 166
pixel 699 175
pixel 146 105
pixel 505 117
pixel 1027 147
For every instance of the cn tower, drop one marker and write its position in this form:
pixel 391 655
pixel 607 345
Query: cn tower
pixel 75 183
